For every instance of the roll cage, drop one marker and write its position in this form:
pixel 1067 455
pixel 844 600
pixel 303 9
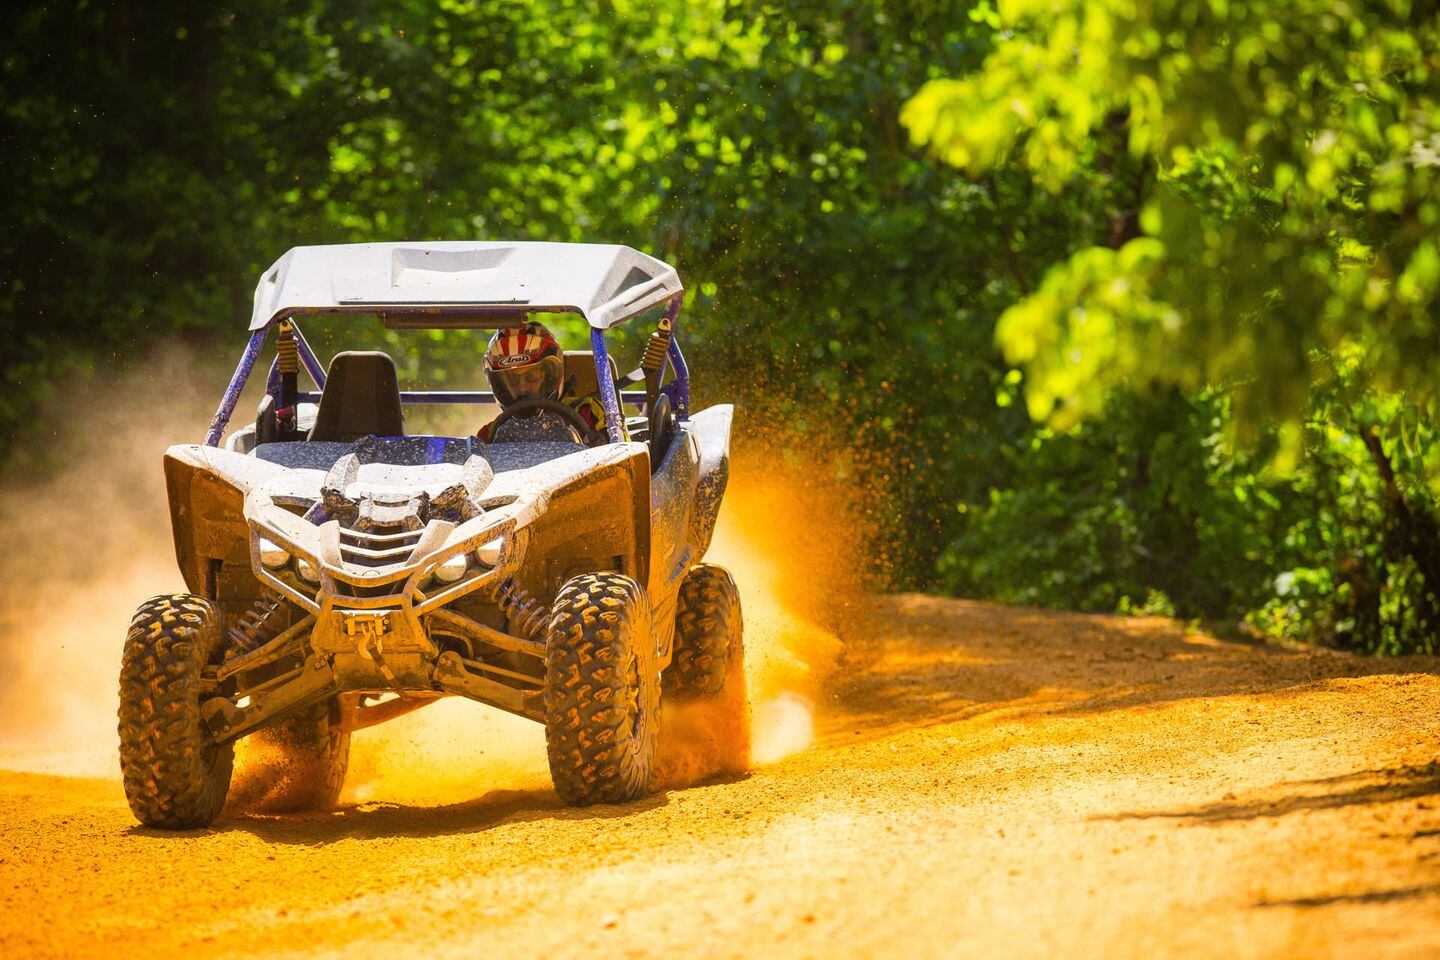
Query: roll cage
pixel 636 294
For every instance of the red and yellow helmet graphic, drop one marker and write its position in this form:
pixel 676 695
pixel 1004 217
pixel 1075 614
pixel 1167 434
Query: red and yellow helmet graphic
pixel 512 359
pixel 521 346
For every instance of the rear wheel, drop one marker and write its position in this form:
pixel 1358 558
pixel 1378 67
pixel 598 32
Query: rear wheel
pixel 176 776
pixel 305 758
pixel 706 676
pixel 602 691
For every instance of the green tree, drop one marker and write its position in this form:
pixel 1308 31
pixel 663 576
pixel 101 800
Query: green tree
pixel 1290 194
pixel 1283 160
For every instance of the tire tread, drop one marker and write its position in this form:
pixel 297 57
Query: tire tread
pixel 598 622
pixel 175 777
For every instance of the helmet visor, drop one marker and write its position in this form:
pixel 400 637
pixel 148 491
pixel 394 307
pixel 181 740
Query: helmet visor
pixel 540 379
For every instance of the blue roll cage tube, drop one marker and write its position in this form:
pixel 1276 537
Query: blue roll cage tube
pixel 677 390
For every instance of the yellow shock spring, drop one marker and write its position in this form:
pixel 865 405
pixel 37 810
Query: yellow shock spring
pixel 655 349
pixel 287 349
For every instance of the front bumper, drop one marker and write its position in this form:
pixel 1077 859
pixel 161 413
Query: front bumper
pixel 365 651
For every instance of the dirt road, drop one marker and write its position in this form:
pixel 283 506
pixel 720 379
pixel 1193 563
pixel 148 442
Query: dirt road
pixel 985 782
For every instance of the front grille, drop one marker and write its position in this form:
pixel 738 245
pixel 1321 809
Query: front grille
pixel 343 589
pixel 378 547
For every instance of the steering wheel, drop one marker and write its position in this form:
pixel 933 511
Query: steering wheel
pixel 534 405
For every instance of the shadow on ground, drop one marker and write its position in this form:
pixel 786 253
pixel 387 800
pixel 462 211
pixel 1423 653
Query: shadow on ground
pixel 913 660
pixel 383 819
pixel 1374 896
pixel 1328 793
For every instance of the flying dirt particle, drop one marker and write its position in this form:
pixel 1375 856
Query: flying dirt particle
pixel 791 536
pixel 449 752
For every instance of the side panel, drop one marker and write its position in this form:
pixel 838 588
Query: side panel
pixel 712 431
pixel 212 541
pixel 672 491
pixel 585 527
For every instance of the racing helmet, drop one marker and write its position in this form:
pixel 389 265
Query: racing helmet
pixel 524 362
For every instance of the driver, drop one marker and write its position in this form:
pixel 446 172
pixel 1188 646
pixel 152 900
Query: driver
pixel 527 363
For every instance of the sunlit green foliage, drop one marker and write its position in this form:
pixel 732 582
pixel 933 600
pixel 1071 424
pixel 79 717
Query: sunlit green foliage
pixel 1284 158
pixel 1293 206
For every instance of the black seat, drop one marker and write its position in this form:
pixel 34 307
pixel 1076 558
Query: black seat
pixel 660 430
pixel 361 398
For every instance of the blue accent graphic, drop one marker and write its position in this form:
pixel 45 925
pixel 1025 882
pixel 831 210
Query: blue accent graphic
pixel 237 383
pixel 614 423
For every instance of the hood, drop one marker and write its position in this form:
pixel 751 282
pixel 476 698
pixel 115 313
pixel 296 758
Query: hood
pixel 365 516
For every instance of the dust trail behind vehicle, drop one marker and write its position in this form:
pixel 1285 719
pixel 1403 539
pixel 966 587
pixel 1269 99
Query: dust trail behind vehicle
pixel 86 531
pixel 89 540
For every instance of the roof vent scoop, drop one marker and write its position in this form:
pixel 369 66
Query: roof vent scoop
pixel 439 275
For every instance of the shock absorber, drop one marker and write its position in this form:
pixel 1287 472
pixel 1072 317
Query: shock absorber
pixel 656 347
pixel 287 361
pixel 528 614
pixel 653 362
pixel 258 625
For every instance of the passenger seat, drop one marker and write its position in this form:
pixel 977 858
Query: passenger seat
pixel 361 398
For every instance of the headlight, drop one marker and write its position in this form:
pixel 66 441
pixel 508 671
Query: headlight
pixel 450 570
pixel 307 571
pixel 489 553
pixel 272 554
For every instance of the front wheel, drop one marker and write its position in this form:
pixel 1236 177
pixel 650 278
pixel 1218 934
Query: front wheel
pixel 602 690
pixel 176 776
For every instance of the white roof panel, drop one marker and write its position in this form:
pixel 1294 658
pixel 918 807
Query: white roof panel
pixel 604 283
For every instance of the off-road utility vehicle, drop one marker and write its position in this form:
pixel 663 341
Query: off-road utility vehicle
pixel 341 572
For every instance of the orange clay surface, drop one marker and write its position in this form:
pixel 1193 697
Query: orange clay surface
pixel 984 781
pixel 934 778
